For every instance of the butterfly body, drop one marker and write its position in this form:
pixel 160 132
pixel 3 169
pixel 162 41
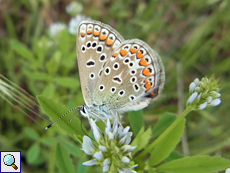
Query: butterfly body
pixel 116 75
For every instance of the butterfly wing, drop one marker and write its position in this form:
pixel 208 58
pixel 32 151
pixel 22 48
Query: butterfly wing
pixel 95 43
pixel 131 77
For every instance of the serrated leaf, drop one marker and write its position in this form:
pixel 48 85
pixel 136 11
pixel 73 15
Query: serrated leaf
pixel 167 144
pixel 197 164
pixel 30 132
pixel 22 49
pixel 64 161
pixel 163 123
pixel 33 153
pixel 55 110
pixel 67 82
pixel 136 120
pixel 142 139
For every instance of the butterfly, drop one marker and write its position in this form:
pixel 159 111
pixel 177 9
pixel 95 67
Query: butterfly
pixel 116 75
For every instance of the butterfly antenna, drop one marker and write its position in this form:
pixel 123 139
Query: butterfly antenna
pixel 61 117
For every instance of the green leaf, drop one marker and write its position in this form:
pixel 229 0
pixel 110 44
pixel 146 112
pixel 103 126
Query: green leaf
pixel 53 64
pixel 136 120
pixel 48 141
pixel 163 123
pixel 174 155
pixel 64 161
pixel 21 49
pixel 31 133
pixel 141 140
pixel 197 164
pixel 67 82
pixel 167 144
pixel 54 110
pixel 72 148
pixel 33 153
pixel 49 90
pixel 36 75
pixel 81 168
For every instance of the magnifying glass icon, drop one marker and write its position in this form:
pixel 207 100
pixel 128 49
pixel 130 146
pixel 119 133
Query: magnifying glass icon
pixel 9 160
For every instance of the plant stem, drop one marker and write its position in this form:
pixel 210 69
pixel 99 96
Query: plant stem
pixel 173 125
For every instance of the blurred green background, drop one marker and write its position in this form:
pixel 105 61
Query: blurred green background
pixel 192 37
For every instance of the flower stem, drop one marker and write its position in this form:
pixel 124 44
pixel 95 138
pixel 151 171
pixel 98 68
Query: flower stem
pixel 173 125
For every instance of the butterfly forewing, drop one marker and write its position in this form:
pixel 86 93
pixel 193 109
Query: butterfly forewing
pixel 95 43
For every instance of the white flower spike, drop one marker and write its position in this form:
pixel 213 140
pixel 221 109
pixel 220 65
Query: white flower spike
pixel 111 150
pixel 204 93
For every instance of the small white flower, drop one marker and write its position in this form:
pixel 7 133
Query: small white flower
pixel 87 146
pixel 192 97
pixel 192 87
pixel 108 150
pixel 96 130
pixel 56 28
pixel 209 99
pixel 74 8
pixel 106 168
pixel 227 170
pixel 74 23
pixel 125 159
pixel 126 171
pixel 215 102
pixel 90 163
pixel 98 155
pixel 127 148
pixel 106 162
pixel 103 148
pixel 203 106
pixel 196 81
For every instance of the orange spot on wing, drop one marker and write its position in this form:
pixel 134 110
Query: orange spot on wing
pixel 146 72
pixel 115 54
pixel 132 50
pixel 146 81
pixel 96 33
pixel 148 87
pixel 102 37
pixel 152 93
pixel 109 42
pixel 139 55
pixel 123 52
pixel 82 34
pixel 143 62
pixel 89 32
